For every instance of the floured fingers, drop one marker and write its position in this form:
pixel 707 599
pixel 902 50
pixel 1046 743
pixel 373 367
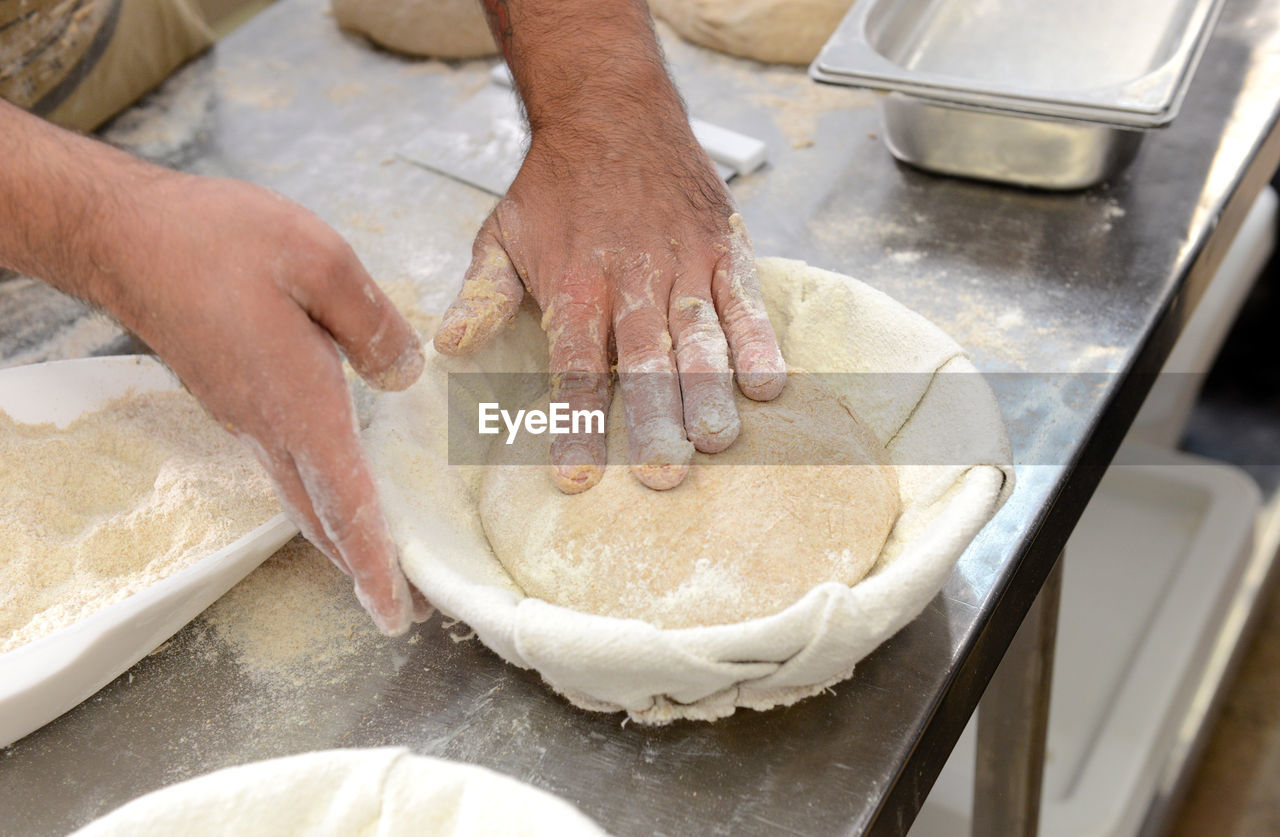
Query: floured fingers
pixel 706 380
pixel 488 300
pixel 757 360
pixel 576 321
pixel 658 448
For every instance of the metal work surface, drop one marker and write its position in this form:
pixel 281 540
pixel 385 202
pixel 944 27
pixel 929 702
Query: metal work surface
pixel 1095 283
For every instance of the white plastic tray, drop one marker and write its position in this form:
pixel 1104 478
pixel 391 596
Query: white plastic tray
pixel 41 680
pixel 1150 575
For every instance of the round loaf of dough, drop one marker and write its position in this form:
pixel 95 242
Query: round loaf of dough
pixel 387 791
pixel 433 28
pixel 774 31
pixel 748 533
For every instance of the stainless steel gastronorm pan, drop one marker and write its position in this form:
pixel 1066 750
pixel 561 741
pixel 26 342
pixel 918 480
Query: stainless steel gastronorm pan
pixel 1051 93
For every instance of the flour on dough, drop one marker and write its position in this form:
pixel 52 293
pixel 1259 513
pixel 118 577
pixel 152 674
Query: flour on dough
pixel 434 28
pixel 774 31
pixel 739 539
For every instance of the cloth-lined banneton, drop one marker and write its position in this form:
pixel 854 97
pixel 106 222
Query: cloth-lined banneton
pixel 933 413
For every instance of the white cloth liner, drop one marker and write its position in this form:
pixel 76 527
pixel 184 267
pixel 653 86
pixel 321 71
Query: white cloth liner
pixel 385 792
pixel 941 427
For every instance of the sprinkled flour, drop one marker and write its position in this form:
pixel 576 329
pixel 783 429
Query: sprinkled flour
pixel 294 618
pixel 114 502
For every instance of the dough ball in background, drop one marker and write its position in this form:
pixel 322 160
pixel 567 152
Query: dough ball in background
pixel 431 28
pixel 773 31
pixel 737 540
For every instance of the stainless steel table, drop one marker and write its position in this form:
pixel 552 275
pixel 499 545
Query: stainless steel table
pixel 1076 296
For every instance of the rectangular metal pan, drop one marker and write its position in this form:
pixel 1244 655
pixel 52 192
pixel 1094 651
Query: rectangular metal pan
pixel 1049 93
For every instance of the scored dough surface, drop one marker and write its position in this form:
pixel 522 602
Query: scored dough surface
pixel 433 28
pixel 744 536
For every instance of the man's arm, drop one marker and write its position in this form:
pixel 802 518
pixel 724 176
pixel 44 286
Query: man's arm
pixel 620 228
pixel 244 294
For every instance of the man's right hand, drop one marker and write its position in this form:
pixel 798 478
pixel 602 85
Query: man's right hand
pixel 619 227
pixel 247 296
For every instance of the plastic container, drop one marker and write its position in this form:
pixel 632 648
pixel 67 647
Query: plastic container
pixel 1150 576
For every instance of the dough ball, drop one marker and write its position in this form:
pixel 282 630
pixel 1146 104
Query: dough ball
pixel 433 28
pixel 737 540
pixel 774 31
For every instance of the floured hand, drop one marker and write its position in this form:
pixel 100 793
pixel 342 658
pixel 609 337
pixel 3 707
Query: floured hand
pixel 622 231
pixel 244 294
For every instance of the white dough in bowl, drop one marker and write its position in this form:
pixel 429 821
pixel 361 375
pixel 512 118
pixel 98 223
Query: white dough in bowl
pixel 910 384
pixel 387 792
pixel 804 496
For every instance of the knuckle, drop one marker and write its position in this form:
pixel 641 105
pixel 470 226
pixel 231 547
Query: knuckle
pixel 708 355
pixel 578 349
pixel 307 232
pixel 581 386
pixel 636 314
pixel 576 357
pixel 336 258
pixel 569 310
pixel 488 266
pixel 702 335
pixel 578 285
pixel 693 313
pixel 705 386
pixel 753 340
pixel 747 317
pixel 488 237
pixel 327 267
pixel 640 325
pixel 645 360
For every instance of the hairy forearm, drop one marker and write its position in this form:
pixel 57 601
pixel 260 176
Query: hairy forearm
pixel 60 193
pixel 578 60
